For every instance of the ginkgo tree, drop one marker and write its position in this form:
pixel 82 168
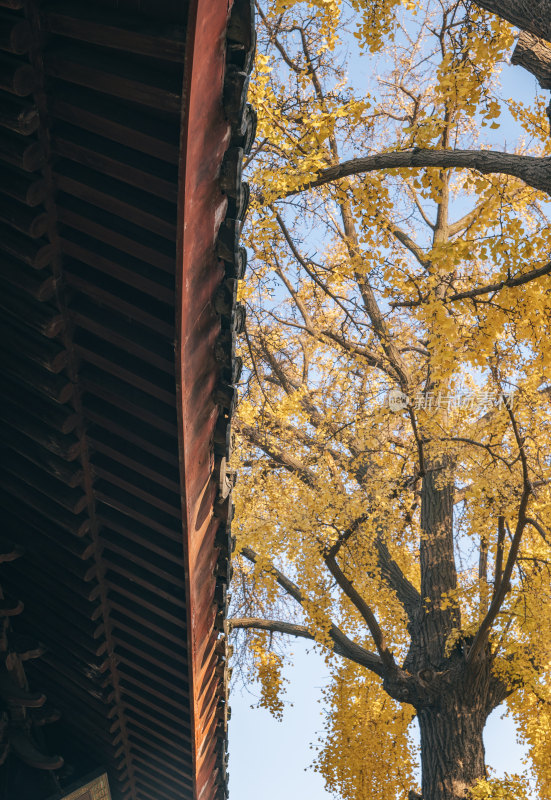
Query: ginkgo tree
pixel 394 427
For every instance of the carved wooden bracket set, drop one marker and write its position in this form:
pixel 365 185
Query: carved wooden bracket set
pixel 242 117
pixel 22 712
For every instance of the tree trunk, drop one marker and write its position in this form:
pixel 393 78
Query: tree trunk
pixel 452 749
pixel 533 16
pixel 534 55
pixel 438 571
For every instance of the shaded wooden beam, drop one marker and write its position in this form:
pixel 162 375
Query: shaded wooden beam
pixel 28 189
pixel 127 202
pixel 116 264
pixel 40 531
pixel 105 116
pixel 130 428
pixel 78 525
pixel 121 76
pixel 73 500
pixel 116 160
pixel 109 28
pixel 17 115
pixel 113 293
pixel 16 77
pixel 43 318
pixel 135 458
pixel 15 34
pixel 128 336
pixel 128 398
pixel 70 474
pixel 116 233
pixel 135 484
pixel 25 342
pixel 150 642
pixel 113 361
pixel 36 253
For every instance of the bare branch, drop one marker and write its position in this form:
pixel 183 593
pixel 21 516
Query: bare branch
pixel 534 171
pixel 499 553
pixel 528 15
pixel 372 358
pixel 475 443
pixel 410 245
pixel 286 460
pixel 283 53
pixel 421 210
pixel 302 261
pixel 505 583
pixel 518 280
pixel 460 494
pixel 483 573
pixel 346 535
pixel 461 224
pixel 286 583
pixel 298 302
pixel 540 529
pixel 534 54
pixel 358 601
pixel 272 625
pixel 406 592
pixel 286 384
pixel 342 644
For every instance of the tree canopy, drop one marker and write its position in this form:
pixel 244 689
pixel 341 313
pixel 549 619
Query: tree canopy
pixel 394 425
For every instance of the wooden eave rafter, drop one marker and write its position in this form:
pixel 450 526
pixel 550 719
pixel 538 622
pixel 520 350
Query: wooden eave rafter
pixel 121 140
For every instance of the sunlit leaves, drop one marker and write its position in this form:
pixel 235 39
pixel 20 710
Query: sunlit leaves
pixel 362 287
pixel 369 746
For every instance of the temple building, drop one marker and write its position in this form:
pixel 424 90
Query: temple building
pixel 123 125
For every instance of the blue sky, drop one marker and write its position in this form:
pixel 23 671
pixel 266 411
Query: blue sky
pixel 270 759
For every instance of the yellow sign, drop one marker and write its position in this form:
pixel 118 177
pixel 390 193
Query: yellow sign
pixel 96 789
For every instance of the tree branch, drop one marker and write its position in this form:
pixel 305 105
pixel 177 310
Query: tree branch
pixel 518 280
pixel 303 263
pixel 460 494
pixel 499 553
pixel 410 245
pixel 286 583
pixel 309 325
pixel 287 385
pixel 540 529
pixel 535 172
pixel 272 625
pixel 372 358
pixel 354 596
pixel 528 15
pixel 286 460
pixel 406 592
pixel 282 52
pixel 505 583
pixel 534 54
pixel 459 225
pixel 333 551
pixel 342 644
pixel 420 208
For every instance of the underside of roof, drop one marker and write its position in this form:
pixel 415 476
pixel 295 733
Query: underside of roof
pixel 122 130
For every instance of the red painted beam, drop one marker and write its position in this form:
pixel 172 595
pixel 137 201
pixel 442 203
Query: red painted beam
pixel 202 205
